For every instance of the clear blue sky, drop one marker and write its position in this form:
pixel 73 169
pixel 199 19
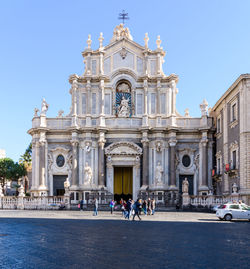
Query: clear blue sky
pixel 207 45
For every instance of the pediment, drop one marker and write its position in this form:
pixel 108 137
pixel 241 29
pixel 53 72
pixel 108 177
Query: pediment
pixel 123 148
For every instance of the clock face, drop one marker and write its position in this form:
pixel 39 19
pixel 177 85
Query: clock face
pixel 60 161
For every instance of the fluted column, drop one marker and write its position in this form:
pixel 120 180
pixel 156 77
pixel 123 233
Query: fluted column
pixel 75 165
pixel 37 163
pixel 101 170
pixel 172 144
pixel 145 116
pixel 42 164
pixel 145 162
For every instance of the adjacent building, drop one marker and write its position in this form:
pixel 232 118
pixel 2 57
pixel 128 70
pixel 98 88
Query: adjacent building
pixel 123 135
pixel 231 116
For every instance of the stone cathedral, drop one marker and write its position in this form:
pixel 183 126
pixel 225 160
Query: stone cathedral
pixel 123 135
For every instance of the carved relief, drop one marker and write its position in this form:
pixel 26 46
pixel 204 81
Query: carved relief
pixel 121 32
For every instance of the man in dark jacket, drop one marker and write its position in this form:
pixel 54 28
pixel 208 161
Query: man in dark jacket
pixel 128 209
pixel 136 207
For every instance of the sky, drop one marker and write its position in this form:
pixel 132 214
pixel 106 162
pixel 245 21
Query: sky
pixel 207 45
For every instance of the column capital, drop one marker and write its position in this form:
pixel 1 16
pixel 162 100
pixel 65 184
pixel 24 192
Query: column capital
pixel 145 142
pixel 74 143
pixel 204 142
pixel 172 142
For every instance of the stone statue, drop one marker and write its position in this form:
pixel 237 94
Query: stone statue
pixel 88 174
pixel 158 173
pixel 66 183
pixel 1 191
pixel 88 147
pixel 60 113
pixel 36 110
pixel 185 185
pixel 123 108
pixel 21 191
pixel 235 188
pixel 44 108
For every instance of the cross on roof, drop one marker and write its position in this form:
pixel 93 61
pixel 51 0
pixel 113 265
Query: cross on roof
pixel 123 16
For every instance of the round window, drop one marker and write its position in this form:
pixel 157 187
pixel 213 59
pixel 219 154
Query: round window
pixel 60 161
pixel 186 160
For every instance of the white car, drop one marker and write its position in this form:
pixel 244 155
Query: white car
pixel 233 211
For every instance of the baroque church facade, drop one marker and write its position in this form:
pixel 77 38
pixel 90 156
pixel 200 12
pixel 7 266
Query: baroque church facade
pixel 123 135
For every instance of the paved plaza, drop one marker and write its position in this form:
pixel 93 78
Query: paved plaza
pixel 74 239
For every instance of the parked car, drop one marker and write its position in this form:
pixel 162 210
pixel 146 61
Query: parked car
pixel 215 208
pixel 233 211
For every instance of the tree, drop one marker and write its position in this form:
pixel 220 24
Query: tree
pixel 26 158
pixel 9 170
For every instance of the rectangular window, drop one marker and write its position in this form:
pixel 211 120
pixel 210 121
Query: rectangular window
pixel 107 104
pixel 93 103
pixel 139 104
pixel 152 103
pixel 163 103
pixel 93 67
pixel 84 103
pixel 234 112
pixel 234 159
pixel 218 166
pixel 218 125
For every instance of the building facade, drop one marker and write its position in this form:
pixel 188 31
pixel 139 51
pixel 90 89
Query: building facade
pixel 232 152
pixel 123 135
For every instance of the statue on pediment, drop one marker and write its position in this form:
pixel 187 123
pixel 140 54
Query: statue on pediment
pixel 44 108
pixel 121 32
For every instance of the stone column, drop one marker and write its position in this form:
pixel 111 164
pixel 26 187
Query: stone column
pixel 172 144
pixel 88 104
pixel 102 97
pixel 101 168
pixel 35 177
pixel 145 162
pixel 75 165
pixel 145 116
pixel 42 164
pixel 204 166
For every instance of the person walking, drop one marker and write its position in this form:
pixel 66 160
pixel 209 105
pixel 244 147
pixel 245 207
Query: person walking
pixel 145 207
pixel 81 205
pixel 153 206
pixel 95 207
pixel 149 206
pixel 128 209
pixel 112 204
pixel 136 207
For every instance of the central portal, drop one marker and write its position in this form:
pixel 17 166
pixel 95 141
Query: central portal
pixel 123 183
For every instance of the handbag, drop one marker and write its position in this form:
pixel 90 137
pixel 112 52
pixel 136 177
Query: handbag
pixel 79 206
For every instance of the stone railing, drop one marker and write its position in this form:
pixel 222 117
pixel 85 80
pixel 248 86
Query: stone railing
pixel 211 200
pixel 38 203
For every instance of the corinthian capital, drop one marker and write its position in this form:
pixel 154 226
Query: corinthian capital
pixel 172 142
pixel 74 143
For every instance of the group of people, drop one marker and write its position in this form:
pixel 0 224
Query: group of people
pixel 128 208
pixel 135 208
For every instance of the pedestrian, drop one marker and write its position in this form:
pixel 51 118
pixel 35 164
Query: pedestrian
pixel 145 207
pixel 128 209
pixel 149 206
pixel 136 207
pixel 95 207
pixel 153 206
pixel 123 205
pixel 81 205
pixel 112 204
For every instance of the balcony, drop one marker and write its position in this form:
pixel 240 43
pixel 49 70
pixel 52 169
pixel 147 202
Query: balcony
pixel 231 170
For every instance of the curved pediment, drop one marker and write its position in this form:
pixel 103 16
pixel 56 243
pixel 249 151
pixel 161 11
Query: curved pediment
pixel 123 148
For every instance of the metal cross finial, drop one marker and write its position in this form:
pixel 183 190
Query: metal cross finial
pixel 123 16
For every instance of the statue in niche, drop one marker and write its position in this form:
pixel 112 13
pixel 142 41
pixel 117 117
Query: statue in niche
pixel 123 108
pixel 88 174
pixel 44 108
pixel 185 185
pixel 66 183
pixel 158 173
